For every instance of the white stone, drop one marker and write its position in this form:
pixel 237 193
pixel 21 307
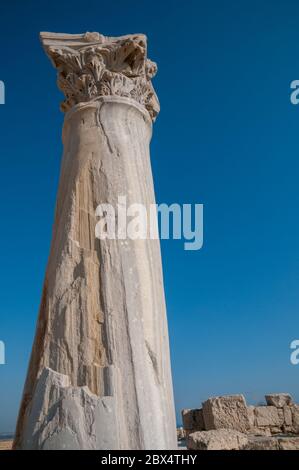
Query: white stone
pixel 75 420
pixel 102 321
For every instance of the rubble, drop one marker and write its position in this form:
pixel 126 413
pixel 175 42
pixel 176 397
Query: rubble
pixel 227 422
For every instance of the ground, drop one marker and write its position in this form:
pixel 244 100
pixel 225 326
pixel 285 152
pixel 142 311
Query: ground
pixel 5 445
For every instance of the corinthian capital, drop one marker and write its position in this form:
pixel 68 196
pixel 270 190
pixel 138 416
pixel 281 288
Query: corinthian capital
pixel 91 65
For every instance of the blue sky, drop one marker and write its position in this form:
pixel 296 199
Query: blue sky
pixel 227 137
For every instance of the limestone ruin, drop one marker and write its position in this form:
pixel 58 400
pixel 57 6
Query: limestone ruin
pixel 228 423
pixel 99 375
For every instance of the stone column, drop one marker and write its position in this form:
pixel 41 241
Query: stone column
pixel 99 375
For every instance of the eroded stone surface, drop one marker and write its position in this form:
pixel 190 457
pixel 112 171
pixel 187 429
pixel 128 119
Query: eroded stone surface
pixel 70 418
pixel 181 433
pixel 102 321
pixel 273 443
pixel 270 427
pixel 289 443
pixel 228 412
pixel 295 418
pixel 220 439
pixel 267 416
pixel 262 443
pixel 91 65
pixel 278 399
pixel 251 415
pixel 193 420
pixel 287 413
pixel 262 431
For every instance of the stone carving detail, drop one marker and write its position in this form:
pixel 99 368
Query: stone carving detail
pixel 101 66
pixel 99 375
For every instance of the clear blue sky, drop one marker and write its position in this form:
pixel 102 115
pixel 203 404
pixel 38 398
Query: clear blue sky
pixel 227 137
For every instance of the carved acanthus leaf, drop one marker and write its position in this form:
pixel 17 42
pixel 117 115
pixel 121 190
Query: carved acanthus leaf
pixel 91 65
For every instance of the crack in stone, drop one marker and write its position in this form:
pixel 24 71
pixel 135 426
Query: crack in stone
pixel 101 125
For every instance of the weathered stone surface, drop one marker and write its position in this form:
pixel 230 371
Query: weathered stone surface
pixel 262 443
pixel 287 413
pixel 295 418
pixel 193 420
pixel 181 434
pixel 288 443
pixel 251 415
pixel 275 430
pixel 278 399
pixel 273 443
pixel 267 420
pixel 266 416
pixel 76 419
pixel 228 412
pixel 6 445
pixel 262 431
pixel 287 430
pixel 220 439
pixel 91 65
pixel 102 320
pixel 281 416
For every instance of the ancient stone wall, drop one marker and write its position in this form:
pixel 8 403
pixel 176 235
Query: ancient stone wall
pixel 278 418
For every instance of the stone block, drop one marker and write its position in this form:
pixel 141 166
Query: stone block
pixel 288 443
pixel 228 412
pixel 264 431
pixel 281 416
pixel 275 429
pixel 263 443
pixel 295 418
pixel 266 416
pixel 251 416
pixel 220 439
pixel 193 420
pixel 287 411
pixel 278 399
pixel 287 430
pixel 181 434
